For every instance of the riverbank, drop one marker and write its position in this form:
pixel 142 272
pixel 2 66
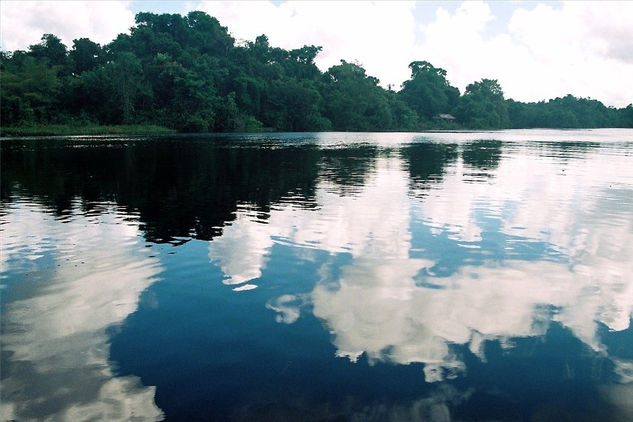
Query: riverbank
pixel 66 130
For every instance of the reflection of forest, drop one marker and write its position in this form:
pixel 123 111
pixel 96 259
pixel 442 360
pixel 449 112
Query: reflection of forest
pixel 483 154
pixel 178 188
pixel 192 187
pixel 427 162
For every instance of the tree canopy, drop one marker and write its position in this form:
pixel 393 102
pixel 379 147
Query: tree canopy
pixel 188 73
pixel 428 91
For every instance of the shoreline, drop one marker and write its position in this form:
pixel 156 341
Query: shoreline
pixel 43 131
pixel 72 130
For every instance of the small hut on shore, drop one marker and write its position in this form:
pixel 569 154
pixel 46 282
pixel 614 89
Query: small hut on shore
pixel 445 116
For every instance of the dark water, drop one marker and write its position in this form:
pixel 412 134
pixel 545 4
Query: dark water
pixel 468 276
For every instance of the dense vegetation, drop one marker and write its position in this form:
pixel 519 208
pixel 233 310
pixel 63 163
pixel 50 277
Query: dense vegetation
pixel 187 73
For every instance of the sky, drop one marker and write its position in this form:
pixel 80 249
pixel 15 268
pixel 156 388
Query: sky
pixel 536 50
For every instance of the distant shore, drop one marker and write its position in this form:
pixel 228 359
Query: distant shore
pixel 64 130
pixel 102 130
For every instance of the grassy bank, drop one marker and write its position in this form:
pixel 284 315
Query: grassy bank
pixel 63 130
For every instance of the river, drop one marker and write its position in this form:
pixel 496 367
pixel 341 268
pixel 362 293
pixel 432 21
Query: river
pixel 318 276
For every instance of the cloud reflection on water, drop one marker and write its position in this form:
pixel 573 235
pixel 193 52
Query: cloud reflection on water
pixel 390 305
pixel 86 276
pixel 342 224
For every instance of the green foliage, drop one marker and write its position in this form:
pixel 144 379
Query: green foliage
pixel 625 116
pixel 29 89
pixel 482 106
pixel 428 92
pixel 354 101
pixel 125 81
pixel 51 49
pixel 188 74
pixel 567 112
pixel 83 129
pixel 85 55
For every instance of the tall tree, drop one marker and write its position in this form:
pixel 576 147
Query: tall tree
pixel 29 90
pixel 85 55
pixel 354 100
pixel 428 91
pixel 50 48
pixel 125 80
pixel 483 106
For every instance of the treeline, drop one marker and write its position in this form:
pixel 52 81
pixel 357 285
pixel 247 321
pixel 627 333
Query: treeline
pixel 187 73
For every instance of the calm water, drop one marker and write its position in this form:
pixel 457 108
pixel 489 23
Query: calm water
pixel 463 276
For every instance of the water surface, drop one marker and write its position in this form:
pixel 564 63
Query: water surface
pixel 335 276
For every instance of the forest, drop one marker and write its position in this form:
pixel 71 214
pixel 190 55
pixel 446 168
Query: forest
pixel 187 73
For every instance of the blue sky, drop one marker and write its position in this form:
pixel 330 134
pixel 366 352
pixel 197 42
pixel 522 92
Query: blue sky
pixel 159 6
pixel 537 50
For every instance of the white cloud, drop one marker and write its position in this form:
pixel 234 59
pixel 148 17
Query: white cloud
pixel 241 250
pixel 378 309
pixel 287 308
pixel 24 22
pixel 380 35
pixel 56 332
pixel 582 48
